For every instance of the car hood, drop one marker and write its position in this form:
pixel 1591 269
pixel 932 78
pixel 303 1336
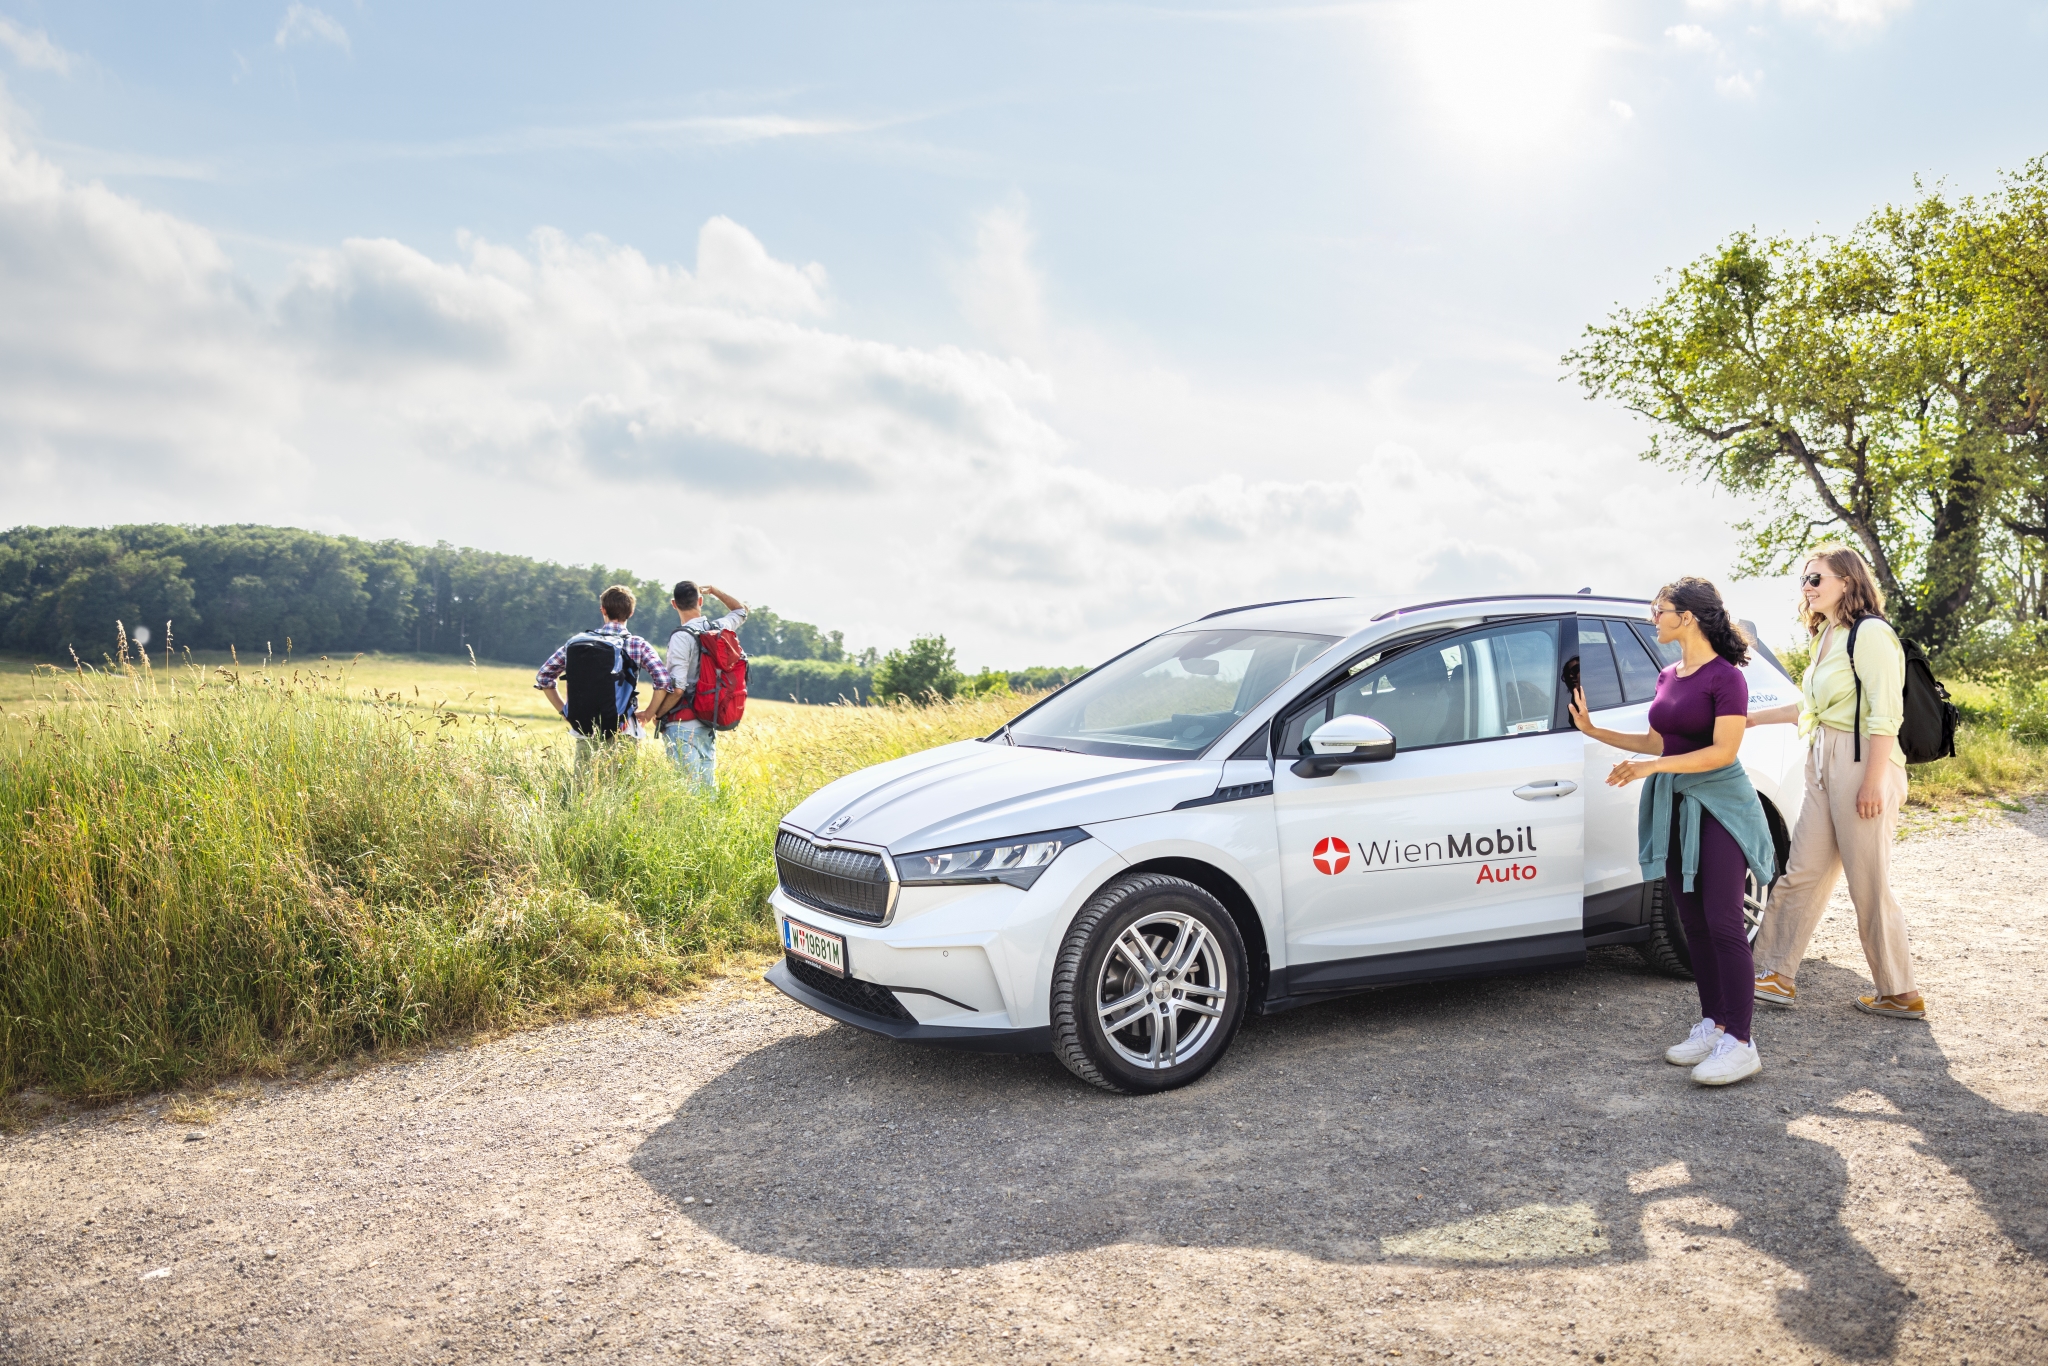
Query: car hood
pixel 970 791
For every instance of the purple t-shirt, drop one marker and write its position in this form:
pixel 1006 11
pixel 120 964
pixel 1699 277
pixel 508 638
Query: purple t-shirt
pixel 1685 709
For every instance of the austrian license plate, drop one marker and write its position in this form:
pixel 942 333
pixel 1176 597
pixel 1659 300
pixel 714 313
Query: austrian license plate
pixel 828 951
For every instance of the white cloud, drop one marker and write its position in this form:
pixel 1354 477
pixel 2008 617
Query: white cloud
pixel 1866 16
pixel 1623 110
pixel 1851 14
pixel 1739 85
pixel 999 288
pixel 304 24
pixel 33 49
pixel 573 398
pixel 1693 38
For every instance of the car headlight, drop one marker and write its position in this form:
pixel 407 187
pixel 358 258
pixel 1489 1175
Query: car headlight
pixel 1017 862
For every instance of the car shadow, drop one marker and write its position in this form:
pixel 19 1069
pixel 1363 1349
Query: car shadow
pixel 1508 1121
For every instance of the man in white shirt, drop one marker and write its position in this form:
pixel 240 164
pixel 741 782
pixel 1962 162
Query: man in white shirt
pixel 693 744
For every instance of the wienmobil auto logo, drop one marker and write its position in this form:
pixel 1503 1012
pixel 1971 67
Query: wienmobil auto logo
pixel 1499 854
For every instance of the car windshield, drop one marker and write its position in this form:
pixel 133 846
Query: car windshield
pixel 1169 697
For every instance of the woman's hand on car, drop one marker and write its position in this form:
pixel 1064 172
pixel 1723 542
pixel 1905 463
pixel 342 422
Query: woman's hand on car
pixel 1578 711
pixel 1628 770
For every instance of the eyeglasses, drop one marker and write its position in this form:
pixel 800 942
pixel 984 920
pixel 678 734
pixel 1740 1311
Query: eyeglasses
pixel 1656 612
pixel 1813 580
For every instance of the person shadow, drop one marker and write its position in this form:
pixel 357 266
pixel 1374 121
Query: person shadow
pixel 1509 1122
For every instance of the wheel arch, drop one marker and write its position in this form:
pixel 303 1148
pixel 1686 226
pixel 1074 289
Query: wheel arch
pixel 1243 913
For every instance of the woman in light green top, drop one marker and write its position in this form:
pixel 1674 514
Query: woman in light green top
pixel 1855 783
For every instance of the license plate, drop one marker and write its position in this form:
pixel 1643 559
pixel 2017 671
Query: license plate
pixel 826 950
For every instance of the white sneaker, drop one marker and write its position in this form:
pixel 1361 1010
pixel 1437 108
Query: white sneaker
pixel 1696 1047
pixel 1731 1061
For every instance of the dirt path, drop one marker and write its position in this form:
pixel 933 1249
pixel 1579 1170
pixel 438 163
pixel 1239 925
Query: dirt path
pixel 1497 1170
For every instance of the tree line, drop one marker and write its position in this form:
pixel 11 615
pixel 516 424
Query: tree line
pixel 1887 387
pixel 256 589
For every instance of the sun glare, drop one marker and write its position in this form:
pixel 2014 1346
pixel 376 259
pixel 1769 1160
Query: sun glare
pixel 1503 76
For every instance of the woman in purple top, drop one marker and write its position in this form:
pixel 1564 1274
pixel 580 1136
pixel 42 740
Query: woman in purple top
pixel 1696 726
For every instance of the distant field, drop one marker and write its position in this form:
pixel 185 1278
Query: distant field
pixel 416 682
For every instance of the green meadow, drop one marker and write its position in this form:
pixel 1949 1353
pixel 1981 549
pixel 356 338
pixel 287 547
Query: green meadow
pixel 225 866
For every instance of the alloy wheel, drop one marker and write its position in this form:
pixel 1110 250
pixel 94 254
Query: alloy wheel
pixel 1163 990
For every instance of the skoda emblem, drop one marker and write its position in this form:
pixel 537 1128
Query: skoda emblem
pixel 833 827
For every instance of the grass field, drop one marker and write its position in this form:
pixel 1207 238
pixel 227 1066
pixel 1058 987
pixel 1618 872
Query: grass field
pixel 206 869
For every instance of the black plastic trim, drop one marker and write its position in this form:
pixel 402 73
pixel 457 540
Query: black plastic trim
pixel 1639 935
pixel 1624 908
pixel 1532 953
pixel 1239 792
pixel 971 1040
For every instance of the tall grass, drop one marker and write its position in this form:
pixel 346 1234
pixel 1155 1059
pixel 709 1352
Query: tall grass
pixel 205 870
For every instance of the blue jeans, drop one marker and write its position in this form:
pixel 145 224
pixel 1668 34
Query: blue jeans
pixel 694 750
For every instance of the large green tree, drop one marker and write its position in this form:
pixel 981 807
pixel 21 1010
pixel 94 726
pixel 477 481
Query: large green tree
pixel 1882 387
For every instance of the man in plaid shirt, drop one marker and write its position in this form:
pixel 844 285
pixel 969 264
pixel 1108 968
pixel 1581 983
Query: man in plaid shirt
pixel 617 605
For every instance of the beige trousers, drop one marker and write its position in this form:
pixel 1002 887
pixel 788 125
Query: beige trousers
pixel 1830 839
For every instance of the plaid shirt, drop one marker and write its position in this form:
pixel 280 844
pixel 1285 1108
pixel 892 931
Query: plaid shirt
pixel 637 650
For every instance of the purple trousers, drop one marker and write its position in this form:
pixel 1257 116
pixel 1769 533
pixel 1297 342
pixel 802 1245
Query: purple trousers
pixel 1711 914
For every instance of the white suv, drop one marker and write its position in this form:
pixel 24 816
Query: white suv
pixel 1264 808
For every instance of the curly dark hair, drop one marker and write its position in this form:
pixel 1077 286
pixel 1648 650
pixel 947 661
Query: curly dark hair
pixel 1703 600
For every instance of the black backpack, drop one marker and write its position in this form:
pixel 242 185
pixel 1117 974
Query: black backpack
pixel 603 683
pixel 1929 729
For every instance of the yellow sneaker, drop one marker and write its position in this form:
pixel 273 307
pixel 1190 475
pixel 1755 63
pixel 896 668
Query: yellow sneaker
pixel 1773 990
pixel 1913 1007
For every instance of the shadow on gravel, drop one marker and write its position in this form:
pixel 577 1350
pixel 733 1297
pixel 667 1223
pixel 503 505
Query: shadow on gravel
pixel 1511 1121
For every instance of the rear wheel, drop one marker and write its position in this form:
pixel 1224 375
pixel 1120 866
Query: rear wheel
pixel 1666 949
pixel 1149 987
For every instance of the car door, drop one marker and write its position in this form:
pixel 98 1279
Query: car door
pixel 1463 852
pixel 1619 676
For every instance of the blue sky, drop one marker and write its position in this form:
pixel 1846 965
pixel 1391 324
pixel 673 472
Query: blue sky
pixel 1044 325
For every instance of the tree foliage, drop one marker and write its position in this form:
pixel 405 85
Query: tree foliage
pixel 925 671
pixel 1885 387
pixel 253 588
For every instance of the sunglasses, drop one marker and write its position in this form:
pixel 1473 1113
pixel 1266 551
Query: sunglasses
pixel 1813 580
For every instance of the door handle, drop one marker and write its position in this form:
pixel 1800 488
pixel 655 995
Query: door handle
pixel 1547 790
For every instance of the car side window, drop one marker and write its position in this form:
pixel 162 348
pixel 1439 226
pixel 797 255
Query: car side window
pixel 1484 685
pixel 1596 666
pixel 1638 670
pixel 1665 655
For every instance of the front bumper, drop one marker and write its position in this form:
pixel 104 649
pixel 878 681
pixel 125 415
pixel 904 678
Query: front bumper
pixel 974 1040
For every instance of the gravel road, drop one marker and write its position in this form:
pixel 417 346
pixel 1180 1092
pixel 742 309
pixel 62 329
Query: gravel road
pixel 1500 1170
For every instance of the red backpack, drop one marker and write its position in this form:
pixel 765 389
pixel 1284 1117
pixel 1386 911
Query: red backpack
pixel 718 697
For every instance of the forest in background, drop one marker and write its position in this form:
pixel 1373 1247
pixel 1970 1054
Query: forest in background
pixel 254 588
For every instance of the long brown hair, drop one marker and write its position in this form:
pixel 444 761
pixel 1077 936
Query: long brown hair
pixel 1861 597
pixel 1703 600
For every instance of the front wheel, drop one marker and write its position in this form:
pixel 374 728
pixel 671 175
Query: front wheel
pixel 1149 987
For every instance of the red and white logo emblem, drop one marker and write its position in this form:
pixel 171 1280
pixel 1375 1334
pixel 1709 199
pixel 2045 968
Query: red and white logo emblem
pixel 1332 855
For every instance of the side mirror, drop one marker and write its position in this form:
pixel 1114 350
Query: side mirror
pixel 1345 740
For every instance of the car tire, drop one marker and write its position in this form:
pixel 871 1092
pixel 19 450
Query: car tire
pixel 1666 949
pixel 1149 987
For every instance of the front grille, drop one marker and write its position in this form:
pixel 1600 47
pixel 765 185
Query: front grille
pixel 851 992
pixel 847 882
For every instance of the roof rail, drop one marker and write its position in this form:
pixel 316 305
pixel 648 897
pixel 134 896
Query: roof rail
pixel 1277 602
pixel 1501 597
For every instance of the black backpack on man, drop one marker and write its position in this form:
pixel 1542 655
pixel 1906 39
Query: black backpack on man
pixel 603 683
pixel 1928 731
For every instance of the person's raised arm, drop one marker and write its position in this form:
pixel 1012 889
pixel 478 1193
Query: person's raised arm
pixel 1644 742
pixel 732 604
pixel 1728 731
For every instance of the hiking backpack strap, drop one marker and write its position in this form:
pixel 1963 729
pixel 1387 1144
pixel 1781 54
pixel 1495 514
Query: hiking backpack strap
pixel 1856 744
